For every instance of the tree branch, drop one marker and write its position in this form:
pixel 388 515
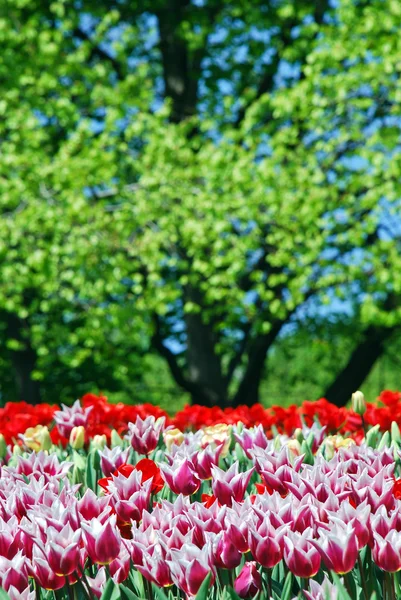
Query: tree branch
pixel 100 52
pixel 171 359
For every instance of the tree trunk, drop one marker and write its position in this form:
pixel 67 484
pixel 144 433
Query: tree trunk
pixel 24 362
pixel 249 387
pixel 181 68
pixel 359 365
pixel 204 364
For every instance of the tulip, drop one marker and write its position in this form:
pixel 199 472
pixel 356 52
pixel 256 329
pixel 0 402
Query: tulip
pixel 251 438
pixel 204 460
pixel 338 547
pixel 301 557
pixel 189 568
pixel 14 573
pixel 99 442
pixel 171 436
pixel 144 434
pixel 150 470
pixel 358 403
pixel 37 438
pixel 90 506
pixel 129 496
pixel 225 554
pixel 267 547
pixel 120 566
pixel 10 537
pixel 102 541
pixel 386 551
pixel 77 437
pixel 249 581
pixel 155 568
pixel 3 447
pixel 16 594
pixel 62 549
pixel 321 591
pixel 42 573
pixel 98 582
pixel 219 434
pixel 110 460
pixel 70 417
pixel 230 485
pixel 181 477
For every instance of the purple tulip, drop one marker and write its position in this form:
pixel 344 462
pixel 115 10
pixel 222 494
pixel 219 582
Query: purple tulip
pixel 301 557
pixel 155 568
pixel 225 554
pixel 111 459
pixel 16 594
pixel 97 583
pixel 13 573
pixel 249 581
pixel 230 485
pixel 321 591
pixel 129 496
pixel 360 519
pixel 189 568
pixel 43 574
pixel 41 464
pixel 62 549
pixel 205 459
pixel 102 541
pixel 382 523
pixel 120 566
pixel 338 547
pixel 90 505
pixel 70 417
pixel 249 439
pixel 144 434
pixel 181 477
pixel 386 551
pixel 267 548
pixel 10 537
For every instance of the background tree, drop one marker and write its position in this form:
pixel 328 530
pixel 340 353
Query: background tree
pixel 185 177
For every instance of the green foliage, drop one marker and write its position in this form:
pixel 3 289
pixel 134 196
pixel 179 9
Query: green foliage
pixel 262 175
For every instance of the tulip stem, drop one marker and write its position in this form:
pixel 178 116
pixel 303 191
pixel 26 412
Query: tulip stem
pixel 363 580
pixel 87 587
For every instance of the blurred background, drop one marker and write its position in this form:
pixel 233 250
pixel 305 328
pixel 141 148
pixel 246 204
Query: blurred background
pixel 200 200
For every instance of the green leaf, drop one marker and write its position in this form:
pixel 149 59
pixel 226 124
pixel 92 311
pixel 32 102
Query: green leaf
pixel 127 594
pixel 231 593
pixel 342 591
pixel 111 591
pixel 286 593
pixel 204 588
pixel 4 595
pixel 159 593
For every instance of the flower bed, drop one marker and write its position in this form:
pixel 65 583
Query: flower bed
pixel 16 417
pixel 116 503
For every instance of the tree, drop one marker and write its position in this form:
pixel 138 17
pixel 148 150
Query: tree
pixel 189 175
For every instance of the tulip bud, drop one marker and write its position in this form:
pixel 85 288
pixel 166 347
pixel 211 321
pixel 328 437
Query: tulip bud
pixel 385 441
pixel 372 436
pixel 45 439
pixel 395 432
pixel 249 581
pixel 358 403
pixel 37 438
pixel 173 436
pixel 3 446
pixel 17 450
pixel 298 435
pixel 77 437
pixel 116 440
pixel 99 442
